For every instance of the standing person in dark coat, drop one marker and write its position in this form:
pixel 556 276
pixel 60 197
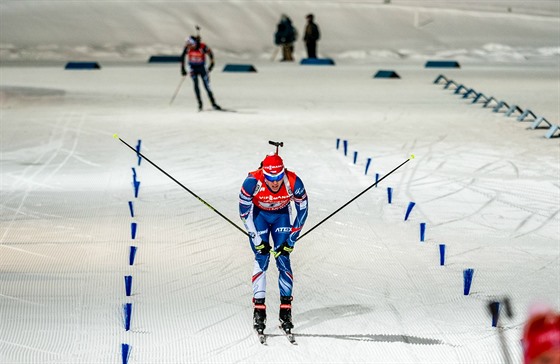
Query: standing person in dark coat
pixel 311 36
pixel 285 36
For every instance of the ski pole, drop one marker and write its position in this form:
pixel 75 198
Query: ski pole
pixel 352 200
pixel 177 90
pixel 180 184
pixel 274 53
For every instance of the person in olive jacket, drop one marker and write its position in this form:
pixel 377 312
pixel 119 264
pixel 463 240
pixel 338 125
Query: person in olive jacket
pixel 285 36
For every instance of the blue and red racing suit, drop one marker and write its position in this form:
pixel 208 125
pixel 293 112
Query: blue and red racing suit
pixel 265 213
pixel 195 52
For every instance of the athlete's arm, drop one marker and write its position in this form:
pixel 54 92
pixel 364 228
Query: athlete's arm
pixel 246 196
pixel 300 201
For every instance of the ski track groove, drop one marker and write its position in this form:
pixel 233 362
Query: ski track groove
pixel 36 173
pixel 539 227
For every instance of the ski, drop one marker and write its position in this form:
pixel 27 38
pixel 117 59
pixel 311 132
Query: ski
pixel 219 110
pixel 223 110
pixel 289 335
pixel 261 336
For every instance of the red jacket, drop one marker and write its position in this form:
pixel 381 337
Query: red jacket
pixel 196 56
pixel 267 200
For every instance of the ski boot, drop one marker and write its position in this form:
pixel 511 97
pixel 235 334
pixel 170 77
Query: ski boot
pixel 214 105
pixel 286 313
pixel 259 315
pixel 199 105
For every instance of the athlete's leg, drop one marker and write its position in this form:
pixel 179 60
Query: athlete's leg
pixel 194 77
pixel 280 230
pixel 206 81
pixel 285 275
pixel 257 223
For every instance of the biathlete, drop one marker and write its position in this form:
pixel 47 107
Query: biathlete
pixel 195 52
pixel 264 208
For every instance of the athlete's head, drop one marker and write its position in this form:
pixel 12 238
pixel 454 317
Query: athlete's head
pixel 541 337
pixel 273 168
pixel 193 41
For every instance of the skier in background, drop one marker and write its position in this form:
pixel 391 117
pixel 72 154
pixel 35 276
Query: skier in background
pixel 264 208
pixel 195 51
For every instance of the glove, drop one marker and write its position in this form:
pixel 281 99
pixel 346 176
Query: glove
pixel 264 248
pixel 284 249
pixel 183 72
pixel 211 67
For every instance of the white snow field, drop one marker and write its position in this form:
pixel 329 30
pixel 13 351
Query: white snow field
pixel 367 290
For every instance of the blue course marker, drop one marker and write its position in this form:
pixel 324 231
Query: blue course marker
pixel 368 162
pixel 441 254
pixel 409 210
pixel 136 188
pixel 132 255
pixel 133 230
pixel 138 151
pixel 495 309
pixel 467 280
pixel 131 208
pixel 128 285
pixel 127 308
pixel 125 352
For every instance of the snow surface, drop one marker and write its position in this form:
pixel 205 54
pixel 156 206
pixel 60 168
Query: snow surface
pixel 366 289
